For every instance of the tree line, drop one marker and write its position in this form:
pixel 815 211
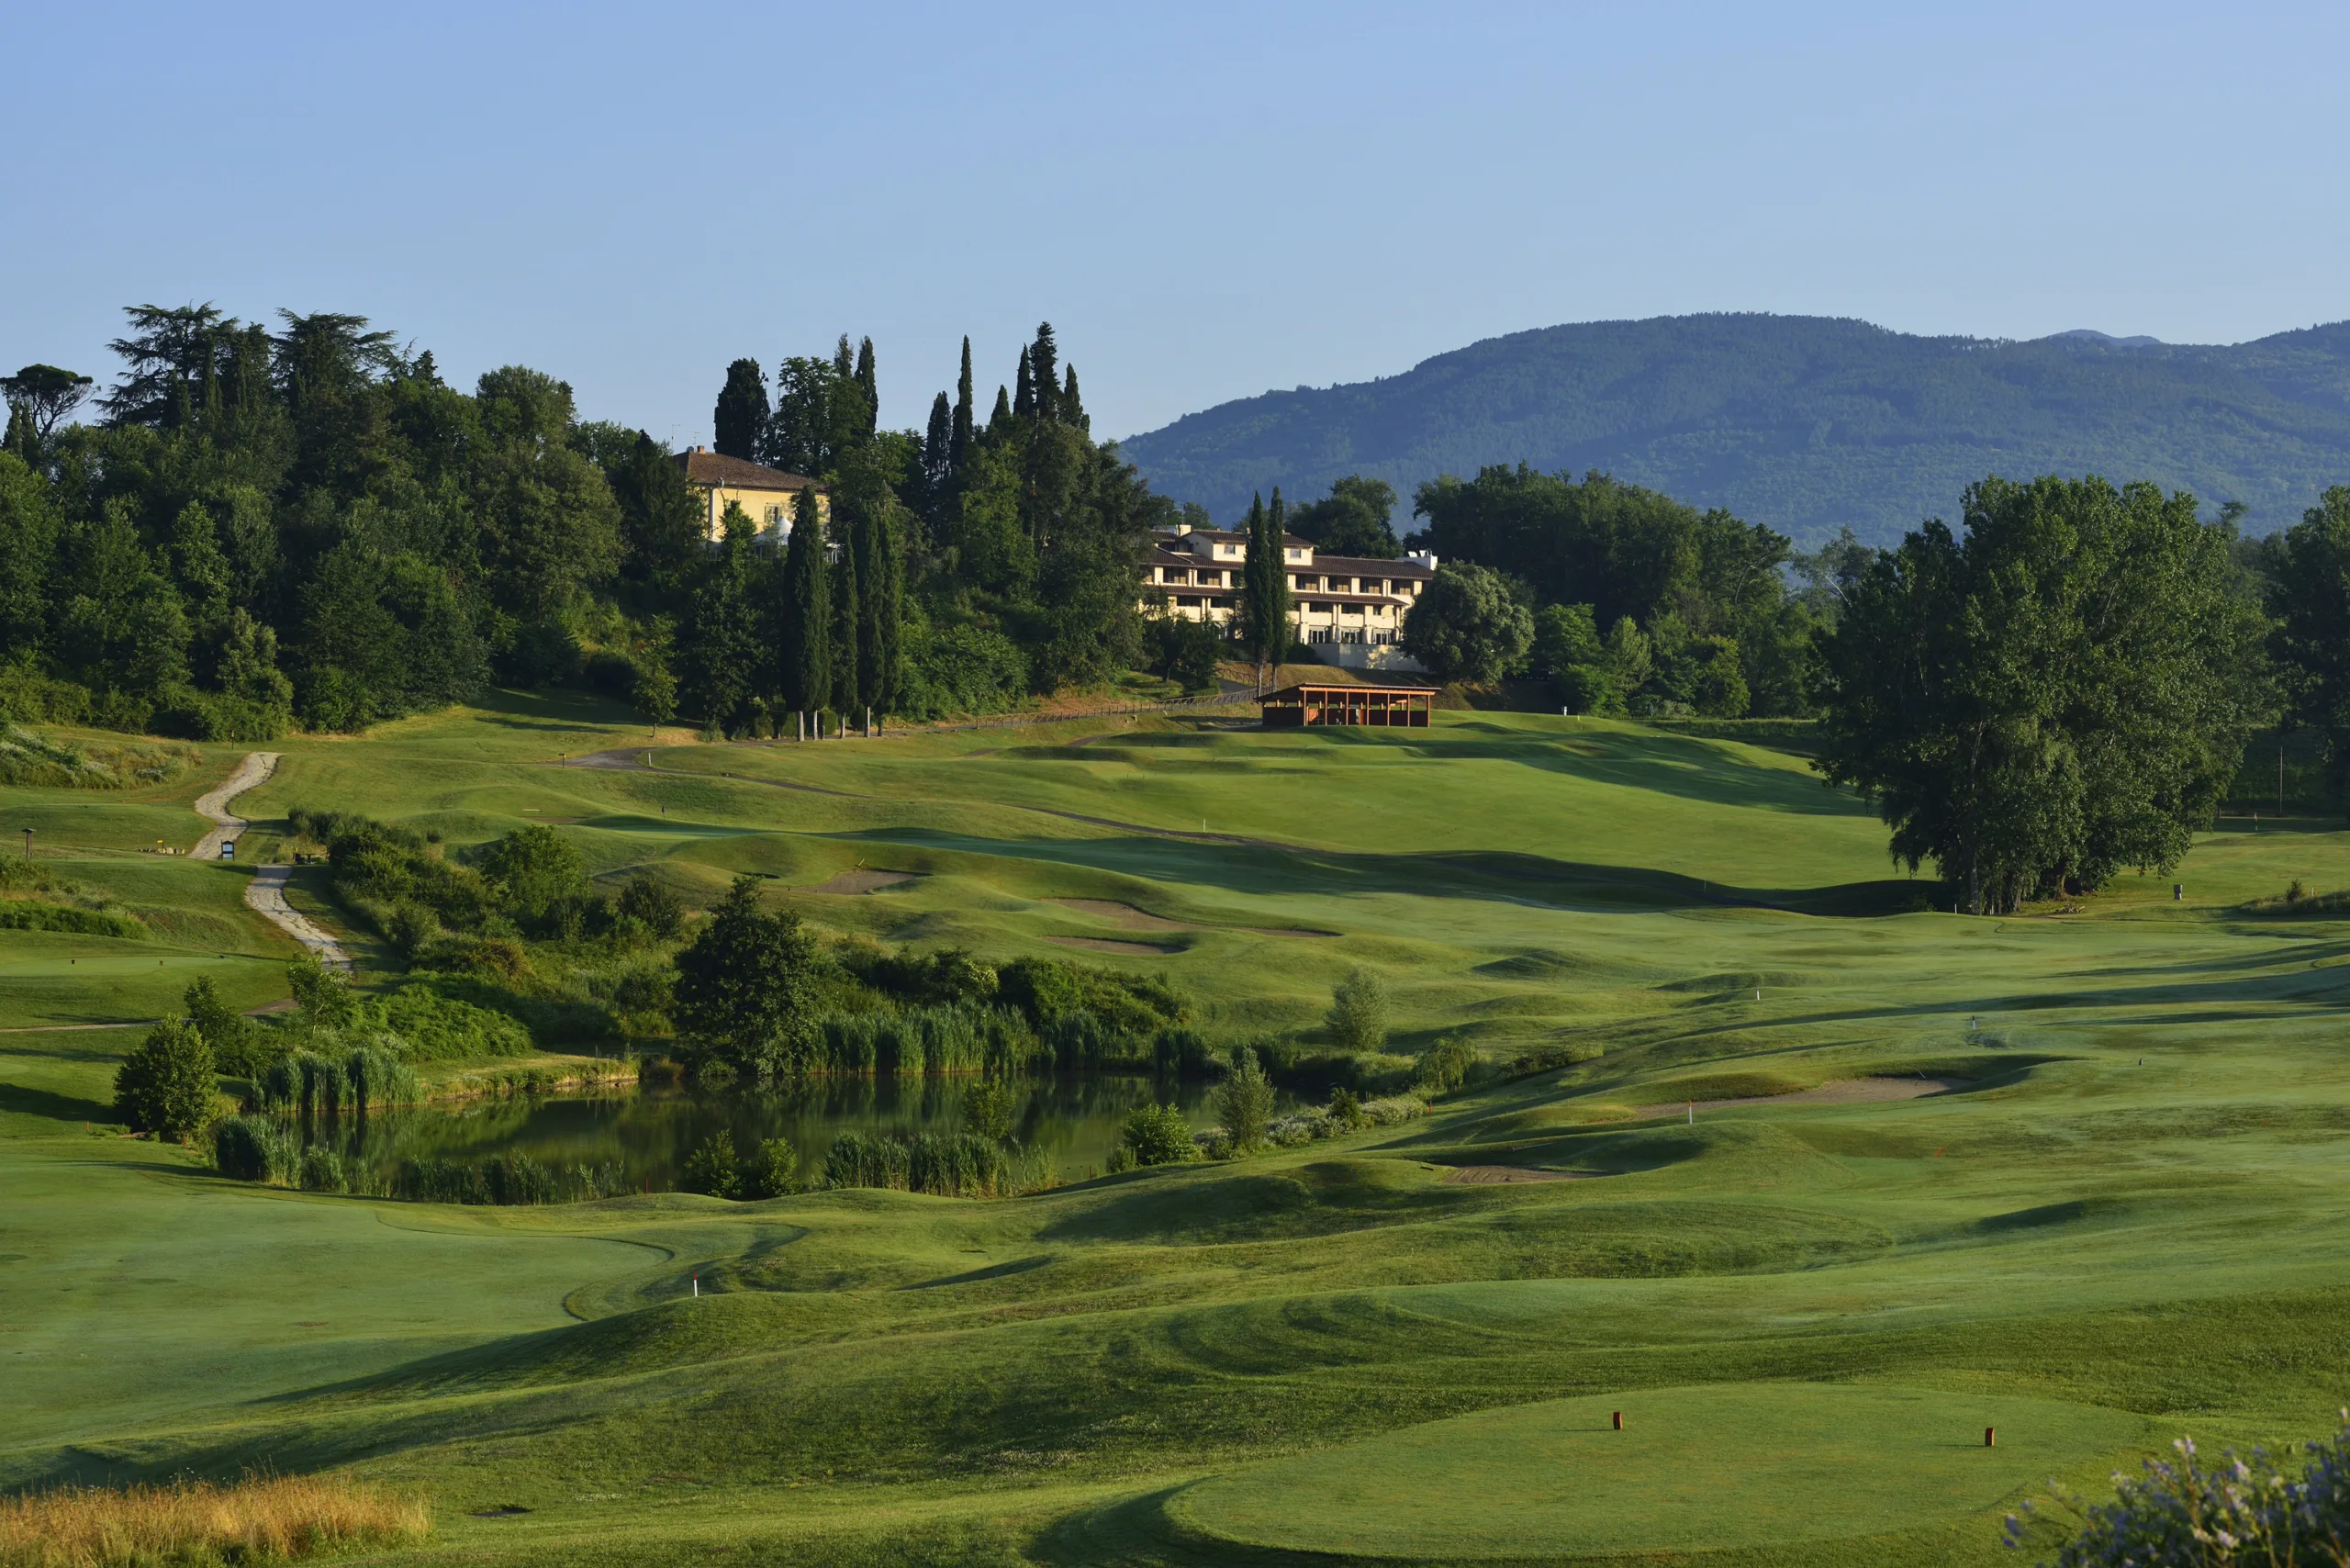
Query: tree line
pixel 303 523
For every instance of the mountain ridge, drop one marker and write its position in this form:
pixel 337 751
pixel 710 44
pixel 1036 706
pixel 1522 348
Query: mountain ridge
pixel 1805 423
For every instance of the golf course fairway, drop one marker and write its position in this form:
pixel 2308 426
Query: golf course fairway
pixel 1812 1177
pixel 1693 1469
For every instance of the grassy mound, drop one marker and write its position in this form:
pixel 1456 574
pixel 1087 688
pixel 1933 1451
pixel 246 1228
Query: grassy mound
pixel 1693 1469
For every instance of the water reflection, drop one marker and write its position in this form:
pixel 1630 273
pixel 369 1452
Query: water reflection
pixel 650 1132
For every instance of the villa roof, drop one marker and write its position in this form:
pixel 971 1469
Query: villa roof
pixel 1369 566
pixel 716 469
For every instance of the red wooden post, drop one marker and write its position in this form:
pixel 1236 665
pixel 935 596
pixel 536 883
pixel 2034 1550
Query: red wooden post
pixel 1619 1420
pixel 1990 1435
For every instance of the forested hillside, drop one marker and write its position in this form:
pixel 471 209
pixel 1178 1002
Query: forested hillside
pixel 309 526
pixel 1804 424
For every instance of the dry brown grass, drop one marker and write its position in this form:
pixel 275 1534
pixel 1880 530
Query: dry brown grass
pixel 258 1519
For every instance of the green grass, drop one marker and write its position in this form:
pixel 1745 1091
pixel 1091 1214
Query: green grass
pixel 2137 1216
pixel 1694 1470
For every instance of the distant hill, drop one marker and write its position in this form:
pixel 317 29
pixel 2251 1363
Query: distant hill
pixel 1805 423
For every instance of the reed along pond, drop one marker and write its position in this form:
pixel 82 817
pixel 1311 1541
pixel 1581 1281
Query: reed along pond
pixel 650 1133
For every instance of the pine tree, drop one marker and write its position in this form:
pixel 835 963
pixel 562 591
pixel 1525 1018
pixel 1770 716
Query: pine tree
pixel 865 378
pixel 1024 389
pixel 741 417
pixel 1001 412
pixel 806 622
pixel 959 448
pixel 1072 409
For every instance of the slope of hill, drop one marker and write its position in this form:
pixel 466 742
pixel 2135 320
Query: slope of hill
pixel 1805 423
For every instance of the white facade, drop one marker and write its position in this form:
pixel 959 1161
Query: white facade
pixel 1348 609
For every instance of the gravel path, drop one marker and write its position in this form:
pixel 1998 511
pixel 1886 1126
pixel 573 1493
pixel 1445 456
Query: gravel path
pixel 266 892
pixel 226 827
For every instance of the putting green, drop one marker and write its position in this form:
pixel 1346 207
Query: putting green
pixel 1694 1468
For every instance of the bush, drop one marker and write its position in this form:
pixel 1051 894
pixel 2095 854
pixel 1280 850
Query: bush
pixel 1155 1134
pixel 2237 1514
pixel 31 914
pixel 711 1168
pixel 653 906
pixel 1243 1102
pixel 165 1086
pixel 1445 1066
pixel 1358 1014
pixel 773 1170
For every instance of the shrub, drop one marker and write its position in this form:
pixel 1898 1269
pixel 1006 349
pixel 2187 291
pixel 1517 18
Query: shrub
pixel 1243 1102
pixel 320 1170
pixel 2237 1514
pixel 31 914
pixel 988 1108
pixel 436 1026
pixel 236 1049
pixel 1181 1053
pixel 165 1086
pixel 661 911
pixel 1445 1066
pixel 711 1168
pixel 1359 1013
pixel 773 1170
pixel 859 1160
pixel 1155 1134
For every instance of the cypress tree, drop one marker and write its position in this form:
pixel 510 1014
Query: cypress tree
pixel 1265 577
pixel 1003 409
pixel 844 360
pixel 959 450
pixel 937 444
pixel 847 614
pixel 879 579
pixel 741 417
pixel 1024 389
pixel 808 611
pixel 1277 559
pixel 865 378
pixel 1073 406
pixel 23 439
pixel 1043 365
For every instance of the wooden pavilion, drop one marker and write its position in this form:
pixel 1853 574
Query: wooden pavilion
pixel 1393 706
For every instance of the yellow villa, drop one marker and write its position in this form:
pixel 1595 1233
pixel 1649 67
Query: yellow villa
pixel 765 495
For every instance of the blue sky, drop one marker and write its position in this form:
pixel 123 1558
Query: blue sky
pixel 1206 200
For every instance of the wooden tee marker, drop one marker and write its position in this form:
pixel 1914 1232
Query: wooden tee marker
pixel 1990 1436
pixel 1619 1420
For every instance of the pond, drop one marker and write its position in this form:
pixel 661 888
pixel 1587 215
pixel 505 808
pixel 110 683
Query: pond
pixel 650 1132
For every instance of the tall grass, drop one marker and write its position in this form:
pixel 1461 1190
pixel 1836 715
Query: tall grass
pixel 956 1165
pixel 368 1075
pixel 258 1519
pixel 925 1041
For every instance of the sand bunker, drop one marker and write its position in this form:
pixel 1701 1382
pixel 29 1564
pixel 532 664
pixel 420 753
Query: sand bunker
pixel 1110 944
pixel 863 881
pixel 1117 914
pixel 1504 1175
pixel 1842 1092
